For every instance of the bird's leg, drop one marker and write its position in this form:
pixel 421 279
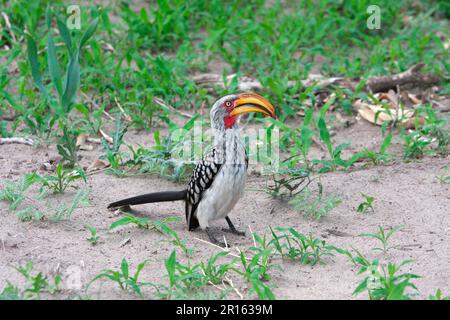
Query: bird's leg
pixel 232 228
pixel 213 239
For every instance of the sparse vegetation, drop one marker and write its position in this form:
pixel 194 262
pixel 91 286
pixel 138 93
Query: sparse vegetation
pixel 366 204
pixel 36 285
pixel 123 278
pixel 385 282
pixel 383 236
pixel 94 238
pixel 124 89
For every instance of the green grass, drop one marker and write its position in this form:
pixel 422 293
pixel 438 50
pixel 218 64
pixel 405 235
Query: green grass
pixel 123 277
pixel 35 285
pixel 113 75
pixel 385 282
pixel 121 67
pixel 383 236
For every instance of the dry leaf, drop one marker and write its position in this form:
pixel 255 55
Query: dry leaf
pixel 106 136
pixel 81 139
pixel 86 147
pixel 378 114
pixel 97 165
pixel 94 140
pixel 413 98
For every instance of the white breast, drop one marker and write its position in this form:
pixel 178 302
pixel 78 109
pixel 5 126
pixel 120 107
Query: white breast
pixel 229 183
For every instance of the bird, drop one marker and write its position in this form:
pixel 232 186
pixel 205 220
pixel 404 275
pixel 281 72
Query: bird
pixel 218 179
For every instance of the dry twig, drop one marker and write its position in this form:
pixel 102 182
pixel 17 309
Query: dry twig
pixel 18 140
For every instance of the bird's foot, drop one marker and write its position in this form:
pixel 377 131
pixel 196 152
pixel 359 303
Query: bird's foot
pixel 232 228
pixel 214 240
pixel 234 231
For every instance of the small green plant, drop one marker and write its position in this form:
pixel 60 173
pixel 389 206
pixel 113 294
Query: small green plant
pixel 366 204
pixel 384 283
pixel 160 158
pixel 381 156
pixel 123 278
pixel 93 239
pixel 255 271
pixel 444 177
pixel 415 145
pixel 66 89
pixel 295 246
pixel 14 192
pixel 436 128
pixel 312 206
pixel 143 223
pixel 67 147
pixel 112 152
pixel 257 266
pixel 10 292
pixel 176 241
pixel 192 281
pixel 334 153
pixel 183 279
pixel 35 286
pixel 262 290
pixel 383 236
pixel 288 183
pixel 42 115
pixel 65 210
pixel 438 296
pixel 63 179
pixel 27 208
pixel 215 273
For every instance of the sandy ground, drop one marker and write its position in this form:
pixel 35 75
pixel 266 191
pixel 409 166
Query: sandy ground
pixel 407 194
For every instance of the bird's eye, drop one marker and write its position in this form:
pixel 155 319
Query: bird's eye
pixel 228 104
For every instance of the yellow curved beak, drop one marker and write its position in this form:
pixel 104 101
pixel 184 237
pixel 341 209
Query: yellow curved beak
pixel 252 102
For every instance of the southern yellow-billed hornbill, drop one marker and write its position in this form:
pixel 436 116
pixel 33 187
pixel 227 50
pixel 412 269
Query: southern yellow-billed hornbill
pixel 218 180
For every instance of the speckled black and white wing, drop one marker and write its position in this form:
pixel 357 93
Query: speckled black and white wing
pixel 203 176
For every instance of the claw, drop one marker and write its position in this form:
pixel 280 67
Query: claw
pixel 234 231
pixel 214 240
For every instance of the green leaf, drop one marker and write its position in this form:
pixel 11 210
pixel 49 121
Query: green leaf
pixel 53 65
pixel 386 143
pixel 124 268
pixel 170 267
pixel 72 81
pixel 361 287
pixel 121 222
pixel 139 269
pixel 34 63
pixel 65 34
pixel 48 16
pixel 89 32
pixel 325 135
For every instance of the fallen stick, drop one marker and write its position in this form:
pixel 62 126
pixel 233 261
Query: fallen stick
pixel 412 76
pixel 18 140
pixel 163 104
pixel 249 84
pixel 374 84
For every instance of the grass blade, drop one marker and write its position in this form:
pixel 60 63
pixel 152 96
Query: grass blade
pixel 89 32
pixel 72 81
pixel 34 63
pixel 53 65
pixel 65 34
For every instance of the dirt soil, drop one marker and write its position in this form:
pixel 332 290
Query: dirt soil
pixel 407 194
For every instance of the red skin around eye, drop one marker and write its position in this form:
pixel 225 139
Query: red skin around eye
pixel 229 121
pixel 229 107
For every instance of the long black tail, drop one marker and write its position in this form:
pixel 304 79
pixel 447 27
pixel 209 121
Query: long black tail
pixel 151 197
